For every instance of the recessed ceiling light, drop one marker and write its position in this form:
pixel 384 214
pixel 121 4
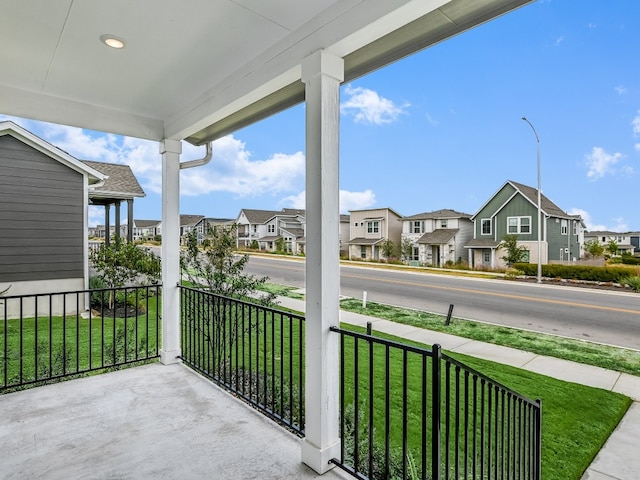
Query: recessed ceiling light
pixel 112 41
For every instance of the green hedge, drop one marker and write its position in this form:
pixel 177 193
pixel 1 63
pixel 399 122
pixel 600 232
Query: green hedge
pixel 579 272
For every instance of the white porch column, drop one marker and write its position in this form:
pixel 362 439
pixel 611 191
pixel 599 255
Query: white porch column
pixel 322 74
pixel 170 351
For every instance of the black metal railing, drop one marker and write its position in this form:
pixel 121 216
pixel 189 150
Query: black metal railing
pixel 256 352
pixel 47 337
pixel 414 413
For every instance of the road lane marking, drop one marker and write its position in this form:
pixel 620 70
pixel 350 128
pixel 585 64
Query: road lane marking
pixel 496 294
pixel 484 292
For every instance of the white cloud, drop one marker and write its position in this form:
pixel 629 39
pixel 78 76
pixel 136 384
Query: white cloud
pixel 637 147
pixel 559 40
pixel 432 121
pixel 348 200
pixel 601 163
pixel 620 90
pixel 231 170
pixel 366 106
pixel 635 123
pixel 356 200
pixel 618 224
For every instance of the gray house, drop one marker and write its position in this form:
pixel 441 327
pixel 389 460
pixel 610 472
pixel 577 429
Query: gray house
pixel 44 193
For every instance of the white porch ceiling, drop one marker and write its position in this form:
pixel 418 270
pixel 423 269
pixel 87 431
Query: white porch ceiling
pixel 200 69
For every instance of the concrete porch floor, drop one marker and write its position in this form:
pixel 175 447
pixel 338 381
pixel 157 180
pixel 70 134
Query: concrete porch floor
pixel 149 422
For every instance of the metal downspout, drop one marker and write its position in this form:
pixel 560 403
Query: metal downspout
pixel 198 162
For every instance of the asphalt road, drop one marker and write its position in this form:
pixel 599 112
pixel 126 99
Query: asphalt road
pixel 589 314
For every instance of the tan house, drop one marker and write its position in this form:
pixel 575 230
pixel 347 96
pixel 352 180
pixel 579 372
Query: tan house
pixel 369 230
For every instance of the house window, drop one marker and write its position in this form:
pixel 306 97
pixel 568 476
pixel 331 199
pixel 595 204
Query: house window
pixel 486 256
pixel 416 227
pixel 575 227
pixel 271 228
pixel 518 225
pixel 486 226
pixel 373 227
pixel 564 227
pixel 355 224
pixel 255 229
pixel 363 251
pixel 443 223
pixel 415 253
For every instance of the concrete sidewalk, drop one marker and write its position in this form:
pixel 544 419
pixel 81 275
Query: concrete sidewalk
pixel 619 459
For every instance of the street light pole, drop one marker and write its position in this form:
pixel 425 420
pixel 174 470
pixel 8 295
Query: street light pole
pixel 539 208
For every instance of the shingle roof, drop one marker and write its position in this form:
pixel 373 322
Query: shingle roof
pixel 482 243
pixel 146 223
pixel 439 236
pixel 296 232
pixel 259 216
pixel 365 241
pixel 345 218
pixel 444 213
pixel 546 205
pixel 190 219
pixel 122 183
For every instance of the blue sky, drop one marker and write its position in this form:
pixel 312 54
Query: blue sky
pixel 442 128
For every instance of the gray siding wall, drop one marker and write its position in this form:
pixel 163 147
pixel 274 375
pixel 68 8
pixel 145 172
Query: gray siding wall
pixel 41 216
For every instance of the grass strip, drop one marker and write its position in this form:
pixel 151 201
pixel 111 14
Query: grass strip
pixel 605 356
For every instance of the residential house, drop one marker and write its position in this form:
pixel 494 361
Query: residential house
pixel 145 229
pixel 437 237
pixel 345 229
pixel 513 209
pixel 627 242
pixel 635 241
pixel 44 193
pixel 252 226
pixel 370 229
pixel 188 223
pixel 206 223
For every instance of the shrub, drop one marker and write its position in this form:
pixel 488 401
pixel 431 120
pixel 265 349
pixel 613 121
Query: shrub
pixel 513 273
pixel 579 272
pixel 632 282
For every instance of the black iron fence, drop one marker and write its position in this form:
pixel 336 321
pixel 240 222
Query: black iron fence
pixel 413 413
pixel 256 352
pixel 47 337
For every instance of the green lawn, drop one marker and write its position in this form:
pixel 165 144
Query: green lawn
pixel 576 421
pixel 77 344
pixel 605 356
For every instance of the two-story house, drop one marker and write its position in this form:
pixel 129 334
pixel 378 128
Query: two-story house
pixel 252 226
pixel 624 241
pixel 370 229
pixel 513 210
pixel 437 237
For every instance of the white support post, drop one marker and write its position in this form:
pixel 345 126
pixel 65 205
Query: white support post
pixel 322 74
pixel 170 151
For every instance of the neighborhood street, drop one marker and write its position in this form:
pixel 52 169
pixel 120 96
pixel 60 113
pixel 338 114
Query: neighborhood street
pixel 602 316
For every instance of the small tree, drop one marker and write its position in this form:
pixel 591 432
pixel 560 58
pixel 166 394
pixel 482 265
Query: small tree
pixel 515 253
pixel 388 248
pixel 612 247
pixel 406 249
pixel 593 248
pixel 216 268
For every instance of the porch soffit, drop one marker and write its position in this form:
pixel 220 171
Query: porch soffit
pixel 201 69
